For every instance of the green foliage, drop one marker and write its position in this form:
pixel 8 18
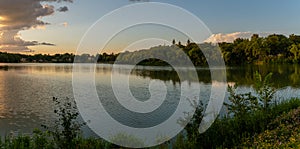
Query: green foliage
pixel 41 140
pixel 264 90
pixel 251 115
pixel 272 49
pixel 240 104
pixel 127 140
pixel 56 58
pixel 295 50
pixel 284 106
pixel 192 123
pixel 66 128
pixel 233 131
pixel 9 57
pixel 282 132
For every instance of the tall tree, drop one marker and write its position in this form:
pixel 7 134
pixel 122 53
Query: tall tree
pixel 188 42
pixel 173 42
pixel 296 52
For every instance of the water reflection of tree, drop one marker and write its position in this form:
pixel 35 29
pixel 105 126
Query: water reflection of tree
pixel 294 77
pixel 171 75
pixel 283 75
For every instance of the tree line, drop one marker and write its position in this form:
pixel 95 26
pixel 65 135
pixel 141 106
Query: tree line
pixel 274 48
pixel 56 58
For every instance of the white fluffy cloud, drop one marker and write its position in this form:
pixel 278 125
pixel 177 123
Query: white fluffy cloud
pixel 18 15
pixel 216 38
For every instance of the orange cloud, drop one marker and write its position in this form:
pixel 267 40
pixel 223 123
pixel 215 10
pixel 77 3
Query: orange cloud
pixel 65 24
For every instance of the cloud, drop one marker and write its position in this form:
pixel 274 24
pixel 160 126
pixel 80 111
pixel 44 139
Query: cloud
pixel 65 24
pixel 18 15
pixel 63 9
pixel 220 37
pixel 47 44
pixel 12 41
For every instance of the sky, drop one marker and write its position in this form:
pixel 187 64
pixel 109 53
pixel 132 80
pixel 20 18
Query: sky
pixel 57 26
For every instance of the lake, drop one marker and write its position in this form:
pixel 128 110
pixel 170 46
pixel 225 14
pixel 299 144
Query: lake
pixel 26 90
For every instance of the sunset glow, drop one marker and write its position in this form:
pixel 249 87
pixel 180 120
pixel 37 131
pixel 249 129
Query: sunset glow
pixel 54 27
pixel 1 25
pixel 149 74
pixel 2 18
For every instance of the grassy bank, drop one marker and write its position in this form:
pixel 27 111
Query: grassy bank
pixel 233 132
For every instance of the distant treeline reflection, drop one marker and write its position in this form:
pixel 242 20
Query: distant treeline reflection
pixel 283 74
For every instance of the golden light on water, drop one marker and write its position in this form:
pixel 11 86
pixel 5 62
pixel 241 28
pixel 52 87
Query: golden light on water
pixel 1 33
pixel 2 19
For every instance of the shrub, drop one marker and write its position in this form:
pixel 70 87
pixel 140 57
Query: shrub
pixel 264 90
pixel 66 128
pixel 192 123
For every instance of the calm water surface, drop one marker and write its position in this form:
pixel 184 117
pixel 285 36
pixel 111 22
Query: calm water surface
pixel 26 90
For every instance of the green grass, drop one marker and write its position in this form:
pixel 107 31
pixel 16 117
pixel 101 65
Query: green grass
pixel 230 132
pixel 42 140
pixel 282 132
